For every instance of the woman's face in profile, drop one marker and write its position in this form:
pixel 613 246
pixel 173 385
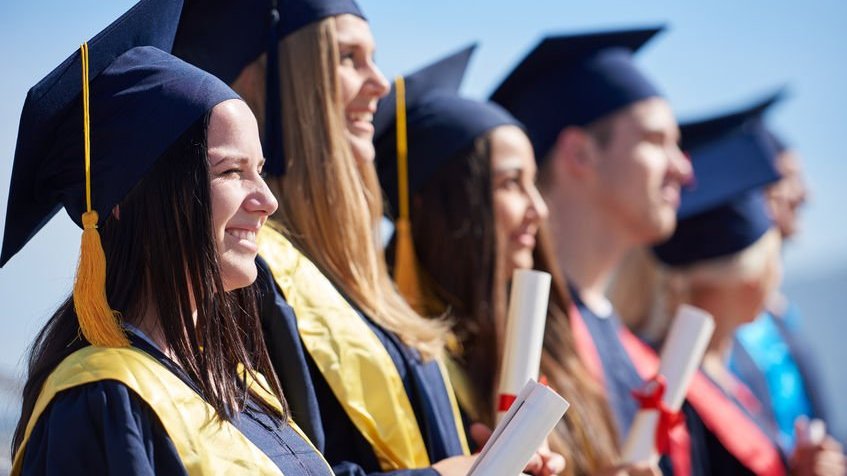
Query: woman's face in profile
pixel 361 82
pixel 518 206
pixel 241 201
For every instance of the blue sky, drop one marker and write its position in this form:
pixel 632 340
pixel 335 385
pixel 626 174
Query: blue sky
pixel 714 55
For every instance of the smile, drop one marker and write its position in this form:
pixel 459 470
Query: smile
pixel 243 237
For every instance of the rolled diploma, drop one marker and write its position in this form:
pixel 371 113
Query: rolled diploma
pixel 524 334
pixel 681 355
pixel 522 430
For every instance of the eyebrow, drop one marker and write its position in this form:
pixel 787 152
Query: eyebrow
pixel 239 159
pixel 509 165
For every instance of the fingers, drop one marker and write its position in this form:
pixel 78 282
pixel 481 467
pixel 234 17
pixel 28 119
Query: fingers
pixel 480 434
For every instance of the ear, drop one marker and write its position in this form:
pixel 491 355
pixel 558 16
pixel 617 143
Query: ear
pixel 116 212
pixel 574 152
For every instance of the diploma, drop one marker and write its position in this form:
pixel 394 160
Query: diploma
pixel 662 396
pixel 534 413
pixel 524 334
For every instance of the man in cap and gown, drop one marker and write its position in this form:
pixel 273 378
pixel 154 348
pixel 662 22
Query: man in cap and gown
pixel 611 171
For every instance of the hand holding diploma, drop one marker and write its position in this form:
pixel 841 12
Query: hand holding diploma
pixel 521 431
pixel 662 396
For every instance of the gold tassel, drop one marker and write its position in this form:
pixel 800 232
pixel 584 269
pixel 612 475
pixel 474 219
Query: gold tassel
pixel 98 322
pixel 405 263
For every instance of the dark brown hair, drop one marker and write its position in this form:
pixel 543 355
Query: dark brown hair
pixel 162 260
pixel 455 242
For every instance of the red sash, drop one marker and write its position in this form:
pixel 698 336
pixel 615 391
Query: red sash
pixel 743 438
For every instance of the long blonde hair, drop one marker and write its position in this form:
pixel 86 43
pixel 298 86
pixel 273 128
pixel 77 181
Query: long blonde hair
pixel 330 206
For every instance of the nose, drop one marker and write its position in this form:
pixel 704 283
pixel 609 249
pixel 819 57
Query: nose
pixel 377 81
pixel 261 201
pixel 537 206
pixel 679 165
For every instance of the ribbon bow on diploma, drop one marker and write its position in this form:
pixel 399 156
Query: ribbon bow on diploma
pixel 650 398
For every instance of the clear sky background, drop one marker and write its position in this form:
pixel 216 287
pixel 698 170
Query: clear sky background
pixel 715 55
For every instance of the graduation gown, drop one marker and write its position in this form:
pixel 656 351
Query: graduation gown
pixel 103 421
pixel 770 358
pixel 611 363
pixel 370 403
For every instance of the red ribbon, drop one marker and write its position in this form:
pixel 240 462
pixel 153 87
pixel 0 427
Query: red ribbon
pixel 650 398
pixel 505 401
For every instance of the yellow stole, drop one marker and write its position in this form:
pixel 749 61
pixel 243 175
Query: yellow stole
pixel 351 358
pixel 205 444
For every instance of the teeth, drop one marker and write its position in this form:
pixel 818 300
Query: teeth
pixel 243 234
pixel 362 116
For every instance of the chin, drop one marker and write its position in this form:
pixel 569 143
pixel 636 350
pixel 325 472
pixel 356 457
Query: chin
pixel 240 276
pixel 662 227
pixel 521 260
pixel 363 149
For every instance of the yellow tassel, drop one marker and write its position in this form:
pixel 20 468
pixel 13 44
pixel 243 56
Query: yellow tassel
pixel 406 265
pixel 99 323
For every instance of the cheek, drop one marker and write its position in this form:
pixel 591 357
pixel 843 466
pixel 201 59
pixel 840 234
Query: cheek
pixel 225 202
pixel 508 211
pixel 349 85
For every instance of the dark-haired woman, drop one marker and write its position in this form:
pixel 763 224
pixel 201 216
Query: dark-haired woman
pixel 154 365
pixel 475 216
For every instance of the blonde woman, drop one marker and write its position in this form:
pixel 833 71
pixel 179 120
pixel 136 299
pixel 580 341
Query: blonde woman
pixel 363 369
pixel 724 257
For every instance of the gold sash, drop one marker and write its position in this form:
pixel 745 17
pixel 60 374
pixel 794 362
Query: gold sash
pixel 351 358
pixel 205 444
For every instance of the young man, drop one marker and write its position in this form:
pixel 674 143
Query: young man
pixel 611 171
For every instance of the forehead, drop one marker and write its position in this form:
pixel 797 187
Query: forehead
pixel 510 148
pixel 653 114
pixel 353 30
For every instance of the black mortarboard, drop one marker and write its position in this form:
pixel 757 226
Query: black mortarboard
pixel 439 123
pixel 224 36
pixel 723 211
pixel 48 168
pixel 419 127
pixel 90 131
pixel 573 80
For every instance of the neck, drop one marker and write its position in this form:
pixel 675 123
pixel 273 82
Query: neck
pixel 588 245
pixel 150 325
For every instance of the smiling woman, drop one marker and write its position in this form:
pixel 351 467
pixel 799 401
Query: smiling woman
pixel 362 368
pixel 155 363
pixel 241 202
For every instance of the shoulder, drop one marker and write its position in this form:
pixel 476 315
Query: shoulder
pixel 101 427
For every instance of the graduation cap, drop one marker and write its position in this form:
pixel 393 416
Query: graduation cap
pixel 134 102
pixel 724 210
pixel 573 80
pixel 438 124
pixel 224 36
pixel 420 126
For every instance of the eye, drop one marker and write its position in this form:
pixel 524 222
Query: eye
pixel 509 182
pixel 348 57
pixel 232 172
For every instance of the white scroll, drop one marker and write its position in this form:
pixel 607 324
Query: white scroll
pixel 534 413
pixel 681 355
pixel 524 334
